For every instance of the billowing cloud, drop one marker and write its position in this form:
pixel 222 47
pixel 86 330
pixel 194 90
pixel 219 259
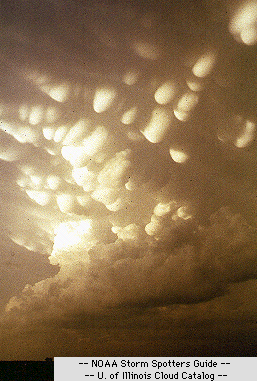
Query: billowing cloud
pixel 127 158
pixel 134 268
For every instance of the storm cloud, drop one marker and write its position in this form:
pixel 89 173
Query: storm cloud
pixel 128 157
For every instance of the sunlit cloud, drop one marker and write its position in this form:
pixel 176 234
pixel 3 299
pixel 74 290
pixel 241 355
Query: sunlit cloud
pixel 36 115
pixel 185 106
pixel 178 156
pixel 158 125
pixel 243 23
pixel 77 132
pixel 129 116
pixel 165 93
pixel 247 136
pixel 51 114
pixel 66 202
pixel 48 132
pixel 128 169
pixel 146 50
pixel 59 93
pixel 60 134
pixel 194 84
pixel 53 182
pixel 70 234
pixel 103 99
pixel 204 65
pixel 41 198
pixel 187 102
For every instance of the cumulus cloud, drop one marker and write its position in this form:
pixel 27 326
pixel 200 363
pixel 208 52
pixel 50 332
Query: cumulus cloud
pixel 129 161
pixel 134 268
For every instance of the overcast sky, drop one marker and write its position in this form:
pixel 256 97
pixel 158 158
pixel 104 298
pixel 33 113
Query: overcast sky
pixel 128 178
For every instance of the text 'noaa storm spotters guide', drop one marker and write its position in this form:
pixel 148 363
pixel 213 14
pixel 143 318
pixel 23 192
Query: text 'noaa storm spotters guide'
pixel 155 368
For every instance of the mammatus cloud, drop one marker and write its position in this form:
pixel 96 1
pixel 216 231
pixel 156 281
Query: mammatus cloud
pixel 125 155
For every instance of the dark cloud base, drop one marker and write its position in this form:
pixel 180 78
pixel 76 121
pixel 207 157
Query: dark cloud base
pixel 203 338
pixel 223 326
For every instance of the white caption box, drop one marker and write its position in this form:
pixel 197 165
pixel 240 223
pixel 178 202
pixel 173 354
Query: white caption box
pixel 155 368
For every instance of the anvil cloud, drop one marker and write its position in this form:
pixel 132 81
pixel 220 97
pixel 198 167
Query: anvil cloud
pixel 127 159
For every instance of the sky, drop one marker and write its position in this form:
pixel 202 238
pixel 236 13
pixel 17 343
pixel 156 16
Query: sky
pixel 127 178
